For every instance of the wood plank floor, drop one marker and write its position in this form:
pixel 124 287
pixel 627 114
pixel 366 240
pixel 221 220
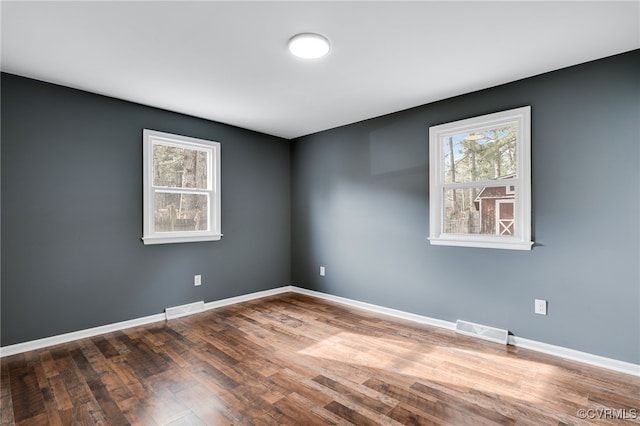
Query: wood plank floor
pixel 296 360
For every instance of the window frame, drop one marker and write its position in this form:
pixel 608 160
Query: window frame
pixel 521 240
pixel 150 236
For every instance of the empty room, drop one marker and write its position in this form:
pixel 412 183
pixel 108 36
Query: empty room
pixel 320 212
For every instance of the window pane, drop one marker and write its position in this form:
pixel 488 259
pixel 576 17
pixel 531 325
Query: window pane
pixel 175 167
pixel 480 210
pixel 181 212
pixel 475 156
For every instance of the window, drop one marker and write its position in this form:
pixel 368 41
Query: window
pixel 480 181
pixel 181 189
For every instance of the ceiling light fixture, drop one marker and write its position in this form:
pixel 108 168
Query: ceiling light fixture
pixel 309 45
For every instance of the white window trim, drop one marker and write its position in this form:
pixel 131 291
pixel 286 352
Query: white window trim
pixel 521 240
pixel 213 174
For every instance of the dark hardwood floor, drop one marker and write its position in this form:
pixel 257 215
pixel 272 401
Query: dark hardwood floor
pixel 296 360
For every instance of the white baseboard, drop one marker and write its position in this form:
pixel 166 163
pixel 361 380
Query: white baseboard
pixel 559 351
pixel 90 332
pixel 248 297
pixel 572 354
pixel 587 358
pixel 75 335
pixel 378 309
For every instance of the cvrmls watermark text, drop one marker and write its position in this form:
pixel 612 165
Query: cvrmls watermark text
pixel 608 413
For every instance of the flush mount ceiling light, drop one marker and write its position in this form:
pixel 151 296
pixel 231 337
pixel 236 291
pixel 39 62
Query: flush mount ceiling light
pixel 309 45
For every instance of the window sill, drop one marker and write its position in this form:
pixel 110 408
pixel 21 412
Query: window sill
pixel 482 243
pixel 180 239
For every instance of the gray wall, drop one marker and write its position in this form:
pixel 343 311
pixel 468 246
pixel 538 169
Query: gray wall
pixel 356 201
pixel 72 214
pixel 360 207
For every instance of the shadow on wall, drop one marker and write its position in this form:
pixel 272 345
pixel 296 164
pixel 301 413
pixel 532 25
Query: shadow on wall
pixel 394 155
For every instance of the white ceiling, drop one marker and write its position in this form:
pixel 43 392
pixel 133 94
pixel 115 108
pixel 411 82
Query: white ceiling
pixel 228 61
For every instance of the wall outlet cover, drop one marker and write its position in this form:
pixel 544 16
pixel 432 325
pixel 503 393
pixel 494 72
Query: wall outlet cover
pixel 540 307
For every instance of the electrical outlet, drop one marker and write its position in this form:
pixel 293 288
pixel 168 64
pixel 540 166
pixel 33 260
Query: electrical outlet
pixel 541 307
pixel 197 279
pixel 322 271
